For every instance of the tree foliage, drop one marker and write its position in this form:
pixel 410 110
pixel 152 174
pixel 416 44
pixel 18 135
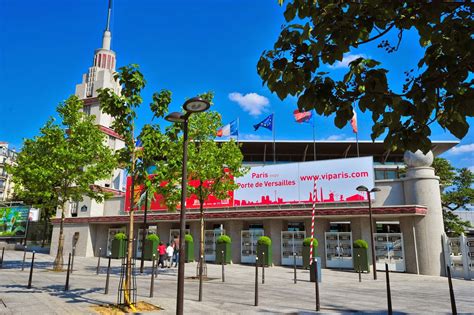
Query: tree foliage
pixel 63 162
pixel 457 193
pixel 439 90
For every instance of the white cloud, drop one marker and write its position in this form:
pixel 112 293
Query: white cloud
pixel 346 60
pixel 250 136
pixel 338 137
pixel 460 149
pixel 252 103
pixel 471 168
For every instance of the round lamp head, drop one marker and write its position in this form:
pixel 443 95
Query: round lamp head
pixel 375 189
pixel 362 188
pixel 175 117
pixel 196 105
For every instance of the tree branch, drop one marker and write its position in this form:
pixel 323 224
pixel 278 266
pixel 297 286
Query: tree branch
pixel 375 37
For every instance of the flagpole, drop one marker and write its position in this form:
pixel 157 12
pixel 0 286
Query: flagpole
pixel 274 147
pixel 314 139
pixel 238 128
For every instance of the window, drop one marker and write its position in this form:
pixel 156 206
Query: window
pixel 87 110
pixel 112 142
pixel 73 208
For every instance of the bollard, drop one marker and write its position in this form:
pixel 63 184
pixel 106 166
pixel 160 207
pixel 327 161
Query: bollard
pixel 451 292
pixel 316 284
pixel 152 284
pixel 389 294
pixel 1 262
pixel 256 280
pixel 107 278
pixel 31 270
pixel 223 275
pixel 294 266
pixel 98 262
pixel 263 267
pixel 72 261
pixel 360 268
pixel 66 287
pixel 23 263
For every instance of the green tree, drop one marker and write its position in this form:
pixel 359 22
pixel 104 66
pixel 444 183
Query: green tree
pixel 319 33
pixel 62 164
pixel 457 193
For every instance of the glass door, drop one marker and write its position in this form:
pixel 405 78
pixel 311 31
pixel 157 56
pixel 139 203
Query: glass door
pixel 248 245
pixel 151 230
pixel 389 249
pixel 210 237
pixel 339 250
pixel 110 238
pixel 292 242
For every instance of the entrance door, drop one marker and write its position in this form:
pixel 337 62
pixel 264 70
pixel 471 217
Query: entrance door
pixel 389 249
pixel 292 242
pixel 339 250
pixel 210 237
pixel 151 230
pixel 248 245
pixel 110 238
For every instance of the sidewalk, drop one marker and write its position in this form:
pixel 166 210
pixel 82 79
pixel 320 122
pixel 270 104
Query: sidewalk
pixel 340 291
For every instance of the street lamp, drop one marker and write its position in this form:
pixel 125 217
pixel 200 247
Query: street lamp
pixel 193 105
pixel 372 245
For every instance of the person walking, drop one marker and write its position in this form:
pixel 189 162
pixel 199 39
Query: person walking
pixel 175 245
pixel 162 253
pixel 169 254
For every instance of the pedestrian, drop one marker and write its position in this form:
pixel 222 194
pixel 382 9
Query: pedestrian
pixel 162 253
pixel 176 251
pixel 169 254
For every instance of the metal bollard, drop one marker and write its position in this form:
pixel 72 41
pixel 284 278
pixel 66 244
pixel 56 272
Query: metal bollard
pixel 256 281
pixel 31 270
pixel 152 284
pixel 316 285
pixel 1 262
pixel 263 267
pixel 72 261
pixel 294 266
pixel 389 294
pixel 23 263
pixel 66 287
pixel 451 292
pixel 223 258
pixel 360 269
pixel 107 278
pixel 98 262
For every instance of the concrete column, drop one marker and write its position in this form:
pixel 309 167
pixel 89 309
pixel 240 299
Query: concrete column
pixel 407 227
pixel 421 187
pixel 274 232
pixel 163 230
pixel 195 229
pixel 233 229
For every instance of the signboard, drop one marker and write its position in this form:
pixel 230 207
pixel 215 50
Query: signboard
pixel 291 183
pixel 34 215
pixel 13 222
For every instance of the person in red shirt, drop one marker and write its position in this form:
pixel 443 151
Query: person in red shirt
pixel 162 253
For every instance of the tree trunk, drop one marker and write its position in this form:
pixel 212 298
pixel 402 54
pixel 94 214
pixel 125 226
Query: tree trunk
pixel 58 261
pixel 201 249
pixel 46 227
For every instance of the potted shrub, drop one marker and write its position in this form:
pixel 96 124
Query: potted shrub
pixel 119 245
pixel 361 256
pixel 264 246
pixel 189 248
pixel 223 244
pixel 150 246
pixel 306 250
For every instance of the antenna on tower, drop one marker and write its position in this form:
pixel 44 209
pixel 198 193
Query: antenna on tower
pixel 109 12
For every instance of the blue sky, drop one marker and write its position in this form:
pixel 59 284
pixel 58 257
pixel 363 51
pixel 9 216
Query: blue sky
pixel 188 47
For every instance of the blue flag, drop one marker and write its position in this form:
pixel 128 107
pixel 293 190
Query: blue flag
pixel 266 123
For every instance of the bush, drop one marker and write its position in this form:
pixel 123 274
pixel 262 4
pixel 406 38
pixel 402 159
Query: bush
pixel 188 238
pixel 153 237
pixel 224 239
pixel 360 244
pixel 264 240
pixel 307 242
pixel 120 236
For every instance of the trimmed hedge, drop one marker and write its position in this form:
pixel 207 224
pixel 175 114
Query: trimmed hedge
pixel 307 242
pixel 188 238
pixel 264 240
pixel 120 236
pixel 153 237
pixel 360 244
pixel 224 239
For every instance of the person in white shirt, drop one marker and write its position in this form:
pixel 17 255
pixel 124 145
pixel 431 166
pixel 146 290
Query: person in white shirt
pixel 169 254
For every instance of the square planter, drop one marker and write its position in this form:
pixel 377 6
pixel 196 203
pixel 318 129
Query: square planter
pixel 267 249
pixel 227 253
pixel 119 248
pixel 306 255
pixel 361 259
pixel 189 252
pixel 149 249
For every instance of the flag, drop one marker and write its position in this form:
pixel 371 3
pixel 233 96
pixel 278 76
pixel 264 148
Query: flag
pixel 303 117
pixel 266 123
pixel 228 130
pixel 354 122
pixel 138 145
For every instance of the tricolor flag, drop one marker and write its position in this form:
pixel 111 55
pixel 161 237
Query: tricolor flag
pixel 228 130
pixel 354 122
pixel 138 145
pixel 266 123
pixel 303 117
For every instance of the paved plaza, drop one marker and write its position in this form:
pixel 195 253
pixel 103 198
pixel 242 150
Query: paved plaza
pixel 341 292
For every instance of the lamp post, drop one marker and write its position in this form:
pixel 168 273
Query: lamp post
pixel 193 105
pixel 372 244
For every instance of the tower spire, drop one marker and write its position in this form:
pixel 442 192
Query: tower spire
pixel 107 37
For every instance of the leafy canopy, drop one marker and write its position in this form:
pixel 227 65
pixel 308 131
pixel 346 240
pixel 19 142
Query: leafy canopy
pixel 320 33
